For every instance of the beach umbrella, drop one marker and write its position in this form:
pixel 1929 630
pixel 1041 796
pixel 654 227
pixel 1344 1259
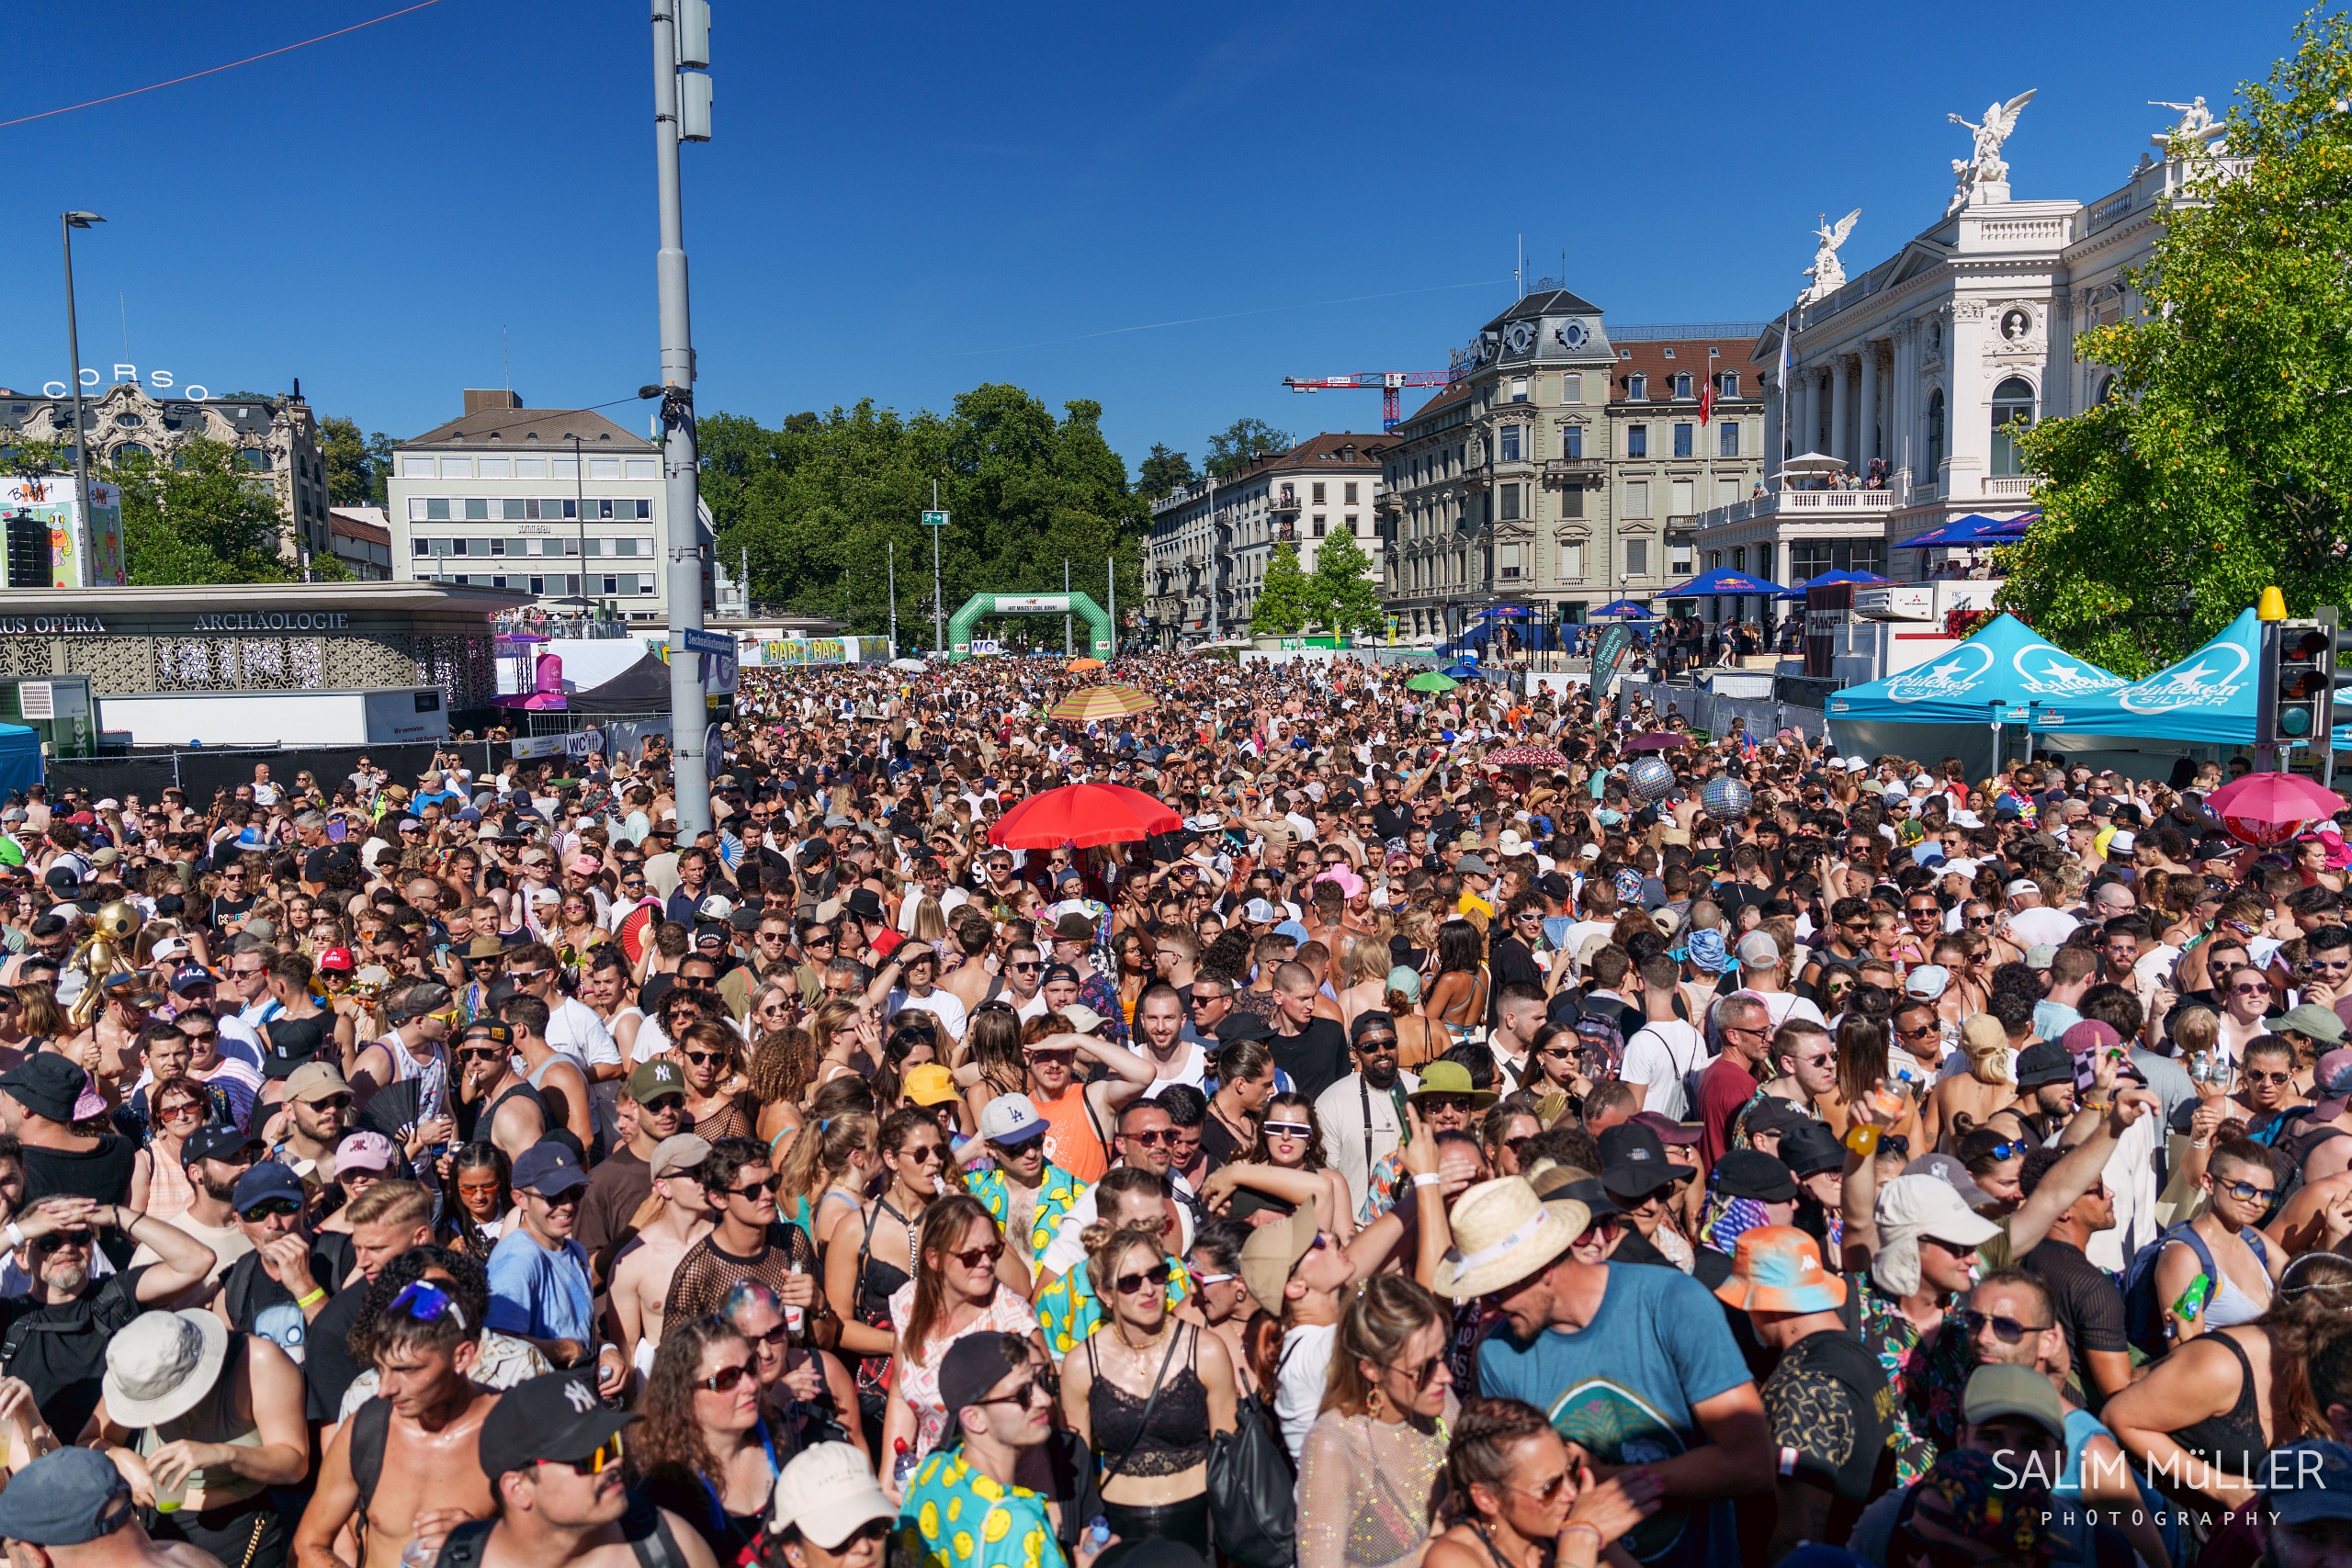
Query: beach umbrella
pixel 1525 756
pixel 1431 680
pixel 912 666
pixel 1077 665
pixel 2263 810
pixel 1084 815
pixel 1111 699
pixel 1631 610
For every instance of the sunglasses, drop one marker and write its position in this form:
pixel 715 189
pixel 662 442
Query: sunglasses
pixel 426 1303
pixel 980 1257
pixel 925 1154
pixel 2261 989
pixel 2246 1192
pixel 2008 1150
pixel 1544 1494
pixel 2252 1076
pixel 1022 1394
pixel 726 1378
pixel 771 1186
pixel 1289 1130
pixel 270 1209
pixel 1154 1278
pixel 1435 1103
pixel 44 1244
pixel 1421 1373
pixel 2008 1330
pixel 661 1104
pixel 705 1058
pixel 1152 1139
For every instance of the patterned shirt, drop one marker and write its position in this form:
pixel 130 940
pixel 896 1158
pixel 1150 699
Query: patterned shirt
pixel 1929 1378
pixel 955 1517
pixel 1057 1192
pixel 1069 1311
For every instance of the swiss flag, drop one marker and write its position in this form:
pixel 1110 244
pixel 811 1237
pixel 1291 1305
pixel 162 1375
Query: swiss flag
pixel 1707 401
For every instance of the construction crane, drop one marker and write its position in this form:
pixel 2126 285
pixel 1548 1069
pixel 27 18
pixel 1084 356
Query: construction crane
pixel 1390 383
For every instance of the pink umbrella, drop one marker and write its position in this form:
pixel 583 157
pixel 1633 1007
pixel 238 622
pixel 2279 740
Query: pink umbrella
pixel 1084 815
pixel 2263 810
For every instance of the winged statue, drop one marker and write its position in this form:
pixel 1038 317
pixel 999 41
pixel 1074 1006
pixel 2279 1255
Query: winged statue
pixel 1828 273
pixel 1984 164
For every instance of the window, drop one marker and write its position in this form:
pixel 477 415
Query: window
pixel 1509 437
pixel 514 509
pixel 1638 386
pixel 530 468
pixel 641 467
pixel 130 449
pixel 456 468
pixel 457 547
pixel 1728 438
pixel 2012 414
pixel 436 509
pixel 498 547
pixel 604 467
pixel 1318 492
pixel 1935 433
pixel 1572 501
pixel 1572 560
pixel 1638 557
pixel 1572 389
pixel 497 468
pixel 1684 500
pixel 1318 524
pixel 1637 498
pixel 1681 381
pixel 1349 492
pixel 1572 441
pixel 1637 441
pixel 564 468
pixel 1727 384
pixel 1348 522
pixel 1510 497
pixel 416 467
pixel 1678 554
pixel 1740 560
pixel 1519 389
pixel 254 457
pixel 477 509
pixel 1506 562
pixel 420 547
pixel 1682 435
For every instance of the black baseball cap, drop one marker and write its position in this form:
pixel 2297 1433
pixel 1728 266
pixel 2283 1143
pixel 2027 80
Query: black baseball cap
pixel 1811 1149
pixel 1370 1022
pixel 45 1084
pixel 217 1140
pixel 557 1417
pixel 2044 1060
pixel 1633 1163
pixel 1751 1173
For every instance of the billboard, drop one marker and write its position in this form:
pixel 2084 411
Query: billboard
pixel 49 497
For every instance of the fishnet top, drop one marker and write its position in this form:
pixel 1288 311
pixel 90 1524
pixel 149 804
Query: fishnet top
pixel 705 1274
pixel 1365 1489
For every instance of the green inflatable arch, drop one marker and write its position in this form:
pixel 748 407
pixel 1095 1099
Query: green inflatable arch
pixel 959 625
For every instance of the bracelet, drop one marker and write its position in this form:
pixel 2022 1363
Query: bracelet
pixel 1427 1178
pixel 1600 1541
pixel 317 1293
pixel 16 1236
pixel 2199 1143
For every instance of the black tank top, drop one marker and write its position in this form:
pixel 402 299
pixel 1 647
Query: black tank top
pixel 2231 1441
pixel 484 1114
pixel 1177 1437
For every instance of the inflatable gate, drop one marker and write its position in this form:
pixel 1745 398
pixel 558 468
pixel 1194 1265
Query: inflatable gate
pixel 980 605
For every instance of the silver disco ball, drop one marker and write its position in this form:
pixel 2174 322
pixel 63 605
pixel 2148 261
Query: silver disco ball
pixel 1653 777
pixel 1725 798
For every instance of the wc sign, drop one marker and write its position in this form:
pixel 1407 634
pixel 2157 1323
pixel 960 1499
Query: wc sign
pixel 156 381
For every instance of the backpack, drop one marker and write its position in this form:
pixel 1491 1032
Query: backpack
pixel 1600 1042
pixel 2145 1317
pixel 646 1532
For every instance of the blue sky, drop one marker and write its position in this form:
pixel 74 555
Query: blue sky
pixel 904 203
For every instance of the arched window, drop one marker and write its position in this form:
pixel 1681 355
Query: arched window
pixel 2106 390
pixel 1935 434
pixel 128 449
pixel 254 457
pixel 2012 414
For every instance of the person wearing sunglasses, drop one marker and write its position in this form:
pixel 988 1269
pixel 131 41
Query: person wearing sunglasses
pixel 491 1103
pixel 961 1288
pixel 748 1241
pixel 704 1449
pixel 538 1273
pixel 830 1512
pixel 2217 1270
pixel 998 1391
pixel 1380 1438
pixel 1527 1504
pixel 640 1279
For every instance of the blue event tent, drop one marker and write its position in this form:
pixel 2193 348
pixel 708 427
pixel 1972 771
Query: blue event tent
pixel 20 766
pixel 1948 706
pixel 1831 579
pixel 1974 529
pixel 2207 697
pixel 1722 580
pixel 1629 609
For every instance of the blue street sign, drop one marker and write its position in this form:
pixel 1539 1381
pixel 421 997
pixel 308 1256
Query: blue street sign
pixel 688 641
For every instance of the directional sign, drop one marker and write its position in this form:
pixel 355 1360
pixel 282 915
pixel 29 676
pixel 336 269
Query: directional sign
pixel 690 641
pixel 935 520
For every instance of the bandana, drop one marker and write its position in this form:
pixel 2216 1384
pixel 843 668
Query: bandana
pixel 1707 952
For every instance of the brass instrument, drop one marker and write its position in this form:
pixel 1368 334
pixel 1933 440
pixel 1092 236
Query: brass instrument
pixel 104 953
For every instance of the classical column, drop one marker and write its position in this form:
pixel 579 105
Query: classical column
pixel 1866 426
pixel 1903 411
pixel 1841 410
pixel 1808 410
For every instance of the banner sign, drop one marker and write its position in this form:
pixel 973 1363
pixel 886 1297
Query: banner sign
pixel 1035 603
pixel 983 647
pixel 50 498
pixel 804 650
pixel 1609 651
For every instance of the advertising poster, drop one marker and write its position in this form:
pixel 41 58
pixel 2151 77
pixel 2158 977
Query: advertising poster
pixel 49 497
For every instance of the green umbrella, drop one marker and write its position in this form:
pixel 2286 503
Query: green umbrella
pixel 1430 681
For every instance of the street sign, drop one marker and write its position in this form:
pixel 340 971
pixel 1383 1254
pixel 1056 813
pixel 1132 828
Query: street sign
pixel 935 520
pixel 690 641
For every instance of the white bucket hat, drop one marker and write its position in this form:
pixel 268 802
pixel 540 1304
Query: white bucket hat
pixel 1502 1234
pixel 162 1365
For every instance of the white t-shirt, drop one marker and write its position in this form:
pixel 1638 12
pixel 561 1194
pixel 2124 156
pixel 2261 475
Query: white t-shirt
pixel 1065 1251
pixel 574 1029
pixel 942 1004
pixel 1659 1055
pixel 1192 1067
pixel 2038 927
pixel 1783 1006
pixel 1298 1383
pixel 950 900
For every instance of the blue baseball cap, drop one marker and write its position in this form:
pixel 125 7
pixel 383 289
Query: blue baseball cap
pixel 68 1498
pixel 2309 1480
pixel 263 1181
pixel 550 1170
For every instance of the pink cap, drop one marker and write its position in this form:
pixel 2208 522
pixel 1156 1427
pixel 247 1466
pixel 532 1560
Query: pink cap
pixel 364 1151
pixel 587 865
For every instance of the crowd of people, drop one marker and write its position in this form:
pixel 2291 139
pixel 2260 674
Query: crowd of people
pixel 1737 1154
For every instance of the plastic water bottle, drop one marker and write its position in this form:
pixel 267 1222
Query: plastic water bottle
pixel 902 1466
pixel 416 1555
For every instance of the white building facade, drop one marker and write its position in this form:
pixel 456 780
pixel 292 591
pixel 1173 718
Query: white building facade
pixel 1918 374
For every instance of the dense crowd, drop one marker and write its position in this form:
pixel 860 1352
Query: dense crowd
pixel 1471 1129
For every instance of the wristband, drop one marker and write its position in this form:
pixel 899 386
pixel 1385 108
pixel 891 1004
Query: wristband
pixel 16 1236
pixel 1427 1178
pixel 317 1293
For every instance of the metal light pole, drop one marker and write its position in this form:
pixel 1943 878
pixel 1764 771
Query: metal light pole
pixel 892 547
pixel 681 37
pixel 83 535
pixel 1069 647
pixel 938 593
pixel 1216 626
pixel 1111 594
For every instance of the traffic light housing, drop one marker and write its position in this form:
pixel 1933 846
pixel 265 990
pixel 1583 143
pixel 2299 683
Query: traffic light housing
pixel 2295 697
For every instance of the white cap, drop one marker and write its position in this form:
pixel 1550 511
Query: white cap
pixel 1010 1119
pixel 830 1491
pixel 1928 1205
pixel 2121 841
pixel 1855 764
pixel 1927 982
pixel 1758 951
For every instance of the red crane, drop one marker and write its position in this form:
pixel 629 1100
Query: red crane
pixel 1390 382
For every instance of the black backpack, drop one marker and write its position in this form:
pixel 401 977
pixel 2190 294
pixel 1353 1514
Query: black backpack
pixel 646 1532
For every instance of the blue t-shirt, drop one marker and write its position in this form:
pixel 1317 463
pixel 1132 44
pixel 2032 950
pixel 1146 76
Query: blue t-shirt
pixel 537 1293
pixel 1624 1387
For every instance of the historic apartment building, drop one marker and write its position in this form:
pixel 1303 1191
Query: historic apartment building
pixel 1563 467
pixel 1217 535
pixel 276 437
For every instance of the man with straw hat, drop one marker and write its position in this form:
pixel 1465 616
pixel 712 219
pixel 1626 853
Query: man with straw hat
pixel 1646 1372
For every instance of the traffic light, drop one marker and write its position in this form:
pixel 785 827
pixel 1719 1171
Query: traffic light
pixel 2295 697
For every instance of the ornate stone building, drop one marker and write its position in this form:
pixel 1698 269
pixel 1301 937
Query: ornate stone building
pixel 274 436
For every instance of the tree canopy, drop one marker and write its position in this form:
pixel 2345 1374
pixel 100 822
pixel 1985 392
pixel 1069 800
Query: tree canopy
pixel 818 502
pixel 2221 460
pixel 1244 439
pixel 1286 600
pixel 202 518
pixel 356 465
pixel 1161 473
pixel 1345 599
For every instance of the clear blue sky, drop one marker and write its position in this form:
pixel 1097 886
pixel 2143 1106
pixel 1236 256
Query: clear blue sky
pixel 905 201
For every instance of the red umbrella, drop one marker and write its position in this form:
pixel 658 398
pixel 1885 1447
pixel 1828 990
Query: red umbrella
pixel 2263 809
pixel 1084 815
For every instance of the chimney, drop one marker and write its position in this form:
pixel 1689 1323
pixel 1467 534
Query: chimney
pixel 495 398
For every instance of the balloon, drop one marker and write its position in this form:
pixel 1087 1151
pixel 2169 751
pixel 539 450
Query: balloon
pixel 1653 777
pixel 1725 798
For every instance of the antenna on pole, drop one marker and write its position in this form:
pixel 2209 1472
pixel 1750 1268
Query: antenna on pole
pixel 505 360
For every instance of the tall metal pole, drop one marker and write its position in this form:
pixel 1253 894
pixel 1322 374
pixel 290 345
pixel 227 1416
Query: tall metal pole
pixel 689 715
pixel 1069 647
pixel 938 593
pixel 1111 594
pixel 893 552
pixel 580 489
pixel 1216 621
pixel 83 533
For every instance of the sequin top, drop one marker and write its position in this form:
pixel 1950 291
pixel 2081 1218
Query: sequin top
pixel 1365 1489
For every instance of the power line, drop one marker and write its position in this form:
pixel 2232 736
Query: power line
pixel 288 49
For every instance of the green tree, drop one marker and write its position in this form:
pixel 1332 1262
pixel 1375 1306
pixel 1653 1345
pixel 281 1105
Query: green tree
pixel 201 518
pixel 1244 438
pixel 358 465
pixel 1286 598
pixel 1161 473
pixel 27 457
pixel 1345 599
pixel 2220 458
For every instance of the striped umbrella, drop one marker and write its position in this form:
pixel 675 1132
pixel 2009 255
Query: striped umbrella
pixel 1111 699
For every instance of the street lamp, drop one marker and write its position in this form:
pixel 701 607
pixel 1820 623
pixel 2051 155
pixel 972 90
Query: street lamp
pixel 82 530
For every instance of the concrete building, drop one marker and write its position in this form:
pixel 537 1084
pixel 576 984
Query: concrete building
pixel 1562 466
pixel 1926 366
pixel 362 537
pixel 276 437
pixel 1218 534
pixel 553 503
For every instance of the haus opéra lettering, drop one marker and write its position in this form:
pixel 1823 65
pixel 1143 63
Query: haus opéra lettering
pixel 51 626
pixel 238 621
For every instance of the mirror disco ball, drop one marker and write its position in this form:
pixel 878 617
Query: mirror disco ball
pixel 1653 777
pixel 1725 798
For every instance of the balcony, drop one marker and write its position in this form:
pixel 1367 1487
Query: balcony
pixel 1869 506
pixel 1283 500
pixel 1572 467
pixel 1285 532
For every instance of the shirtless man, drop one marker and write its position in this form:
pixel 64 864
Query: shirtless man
pixel 72 1508
pixel 680 1217
pixel 562 1086
pixel 431 1439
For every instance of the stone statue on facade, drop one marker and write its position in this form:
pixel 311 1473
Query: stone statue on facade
pixel 1828 273
pixel 2196 125
pixel 1982 175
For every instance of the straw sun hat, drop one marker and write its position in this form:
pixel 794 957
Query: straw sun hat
pixel 1502 1234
